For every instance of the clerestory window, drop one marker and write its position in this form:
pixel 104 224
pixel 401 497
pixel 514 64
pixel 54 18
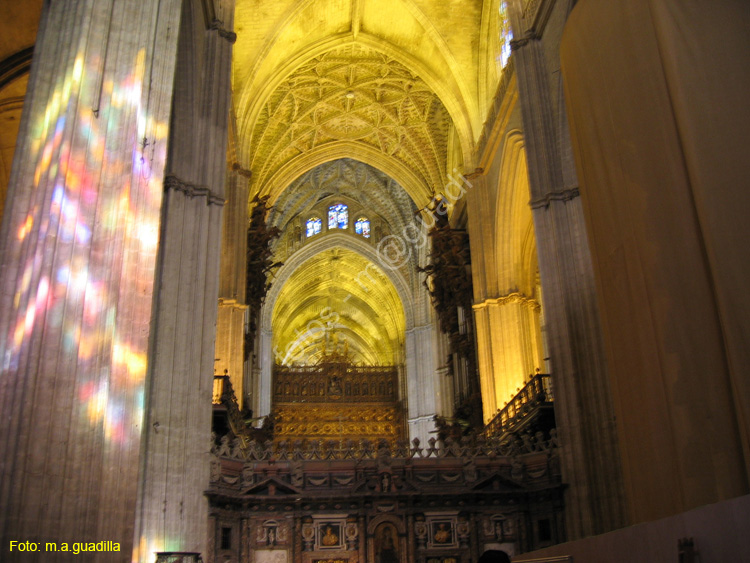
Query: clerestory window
pixel 338 216
pixel 314 224
pixel 362 227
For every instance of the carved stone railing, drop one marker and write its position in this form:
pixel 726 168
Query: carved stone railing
pixel 311 450
pixel 536 394
pixel 333 382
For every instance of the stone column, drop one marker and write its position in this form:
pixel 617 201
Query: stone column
pixel 230 327
pixel 172 510
pixel 657 97
pixel 424 389
pixel 583 406
pixel 262 386
pixel 77 264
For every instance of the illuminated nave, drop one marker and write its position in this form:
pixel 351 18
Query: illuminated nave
pixel 327 281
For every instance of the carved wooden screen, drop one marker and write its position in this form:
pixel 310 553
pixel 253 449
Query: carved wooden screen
pixel 336 400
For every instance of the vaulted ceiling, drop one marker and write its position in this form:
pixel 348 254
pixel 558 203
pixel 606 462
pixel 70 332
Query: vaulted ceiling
pixel 393 83
pixel 327 302
pixel 374 100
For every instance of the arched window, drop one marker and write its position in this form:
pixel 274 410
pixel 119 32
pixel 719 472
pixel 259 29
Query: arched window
pixel 314 225
pixel 338 216
pixel 506 35
pixel 362 227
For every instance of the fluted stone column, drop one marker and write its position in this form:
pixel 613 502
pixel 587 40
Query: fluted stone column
pixel 583 406
pixel 230 328
pixel 77 260
pixel 172 510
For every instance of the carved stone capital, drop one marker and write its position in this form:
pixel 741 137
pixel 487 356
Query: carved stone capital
pixel 191 191
pixel 561 195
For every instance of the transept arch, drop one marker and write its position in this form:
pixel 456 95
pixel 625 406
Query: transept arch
pixel 308 160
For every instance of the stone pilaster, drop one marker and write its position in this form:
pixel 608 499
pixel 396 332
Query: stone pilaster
pixel 230 328
pixel 481 210
pixel 77 264
pixel 261 387
pixel 583 404
pixel 425 383
pixel 508 347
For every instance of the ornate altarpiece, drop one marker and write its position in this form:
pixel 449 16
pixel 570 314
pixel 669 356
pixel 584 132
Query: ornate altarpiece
pixel 337 400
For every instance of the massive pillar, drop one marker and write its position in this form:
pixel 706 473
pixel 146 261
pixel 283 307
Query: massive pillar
pixel 657 93
pixel 583 407
pixel 77 266
pixel 172 511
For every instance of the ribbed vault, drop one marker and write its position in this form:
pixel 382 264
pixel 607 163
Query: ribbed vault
pixel 350 178
pixel 338 300
pixel 355 94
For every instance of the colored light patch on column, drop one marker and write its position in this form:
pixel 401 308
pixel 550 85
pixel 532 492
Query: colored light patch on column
pixel 133 361
pixel 82 191
pixel 26 227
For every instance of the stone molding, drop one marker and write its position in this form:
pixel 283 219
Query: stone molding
pixel 515 297
pixel 530 35
pixel 174 183
pixel 218 26
pixel 15 66
pixel 536 13
pixel 495 110
pixel 232 303
pixel 561 195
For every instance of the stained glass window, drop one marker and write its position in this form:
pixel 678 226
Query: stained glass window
pixel 506 35
pixel 314 225
pixel 362 227
pixel 338 216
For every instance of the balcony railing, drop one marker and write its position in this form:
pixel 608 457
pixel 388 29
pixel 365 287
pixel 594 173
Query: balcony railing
pixel 535 396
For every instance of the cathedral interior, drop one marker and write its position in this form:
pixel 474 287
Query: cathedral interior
pixel 374 281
